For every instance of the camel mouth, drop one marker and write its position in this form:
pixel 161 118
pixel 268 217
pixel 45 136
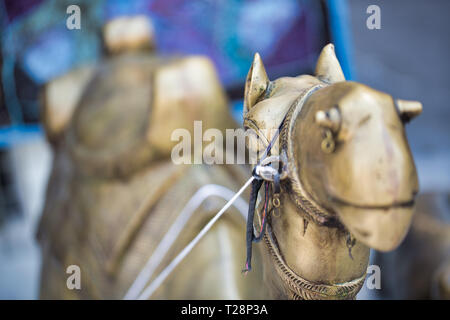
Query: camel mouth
pixel 378 226
pixel 399 204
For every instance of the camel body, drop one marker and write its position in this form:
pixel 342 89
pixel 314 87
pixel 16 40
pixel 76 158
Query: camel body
pixel 114 190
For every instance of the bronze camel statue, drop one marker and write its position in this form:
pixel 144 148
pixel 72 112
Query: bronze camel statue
pixel 349 179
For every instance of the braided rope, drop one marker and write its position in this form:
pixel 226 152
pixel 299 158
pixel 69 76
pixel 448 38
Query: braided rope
pixel 302 289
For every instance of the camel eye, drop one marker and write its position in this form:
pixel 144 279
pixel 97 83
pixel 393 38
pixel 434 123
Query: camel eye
pixel 330 119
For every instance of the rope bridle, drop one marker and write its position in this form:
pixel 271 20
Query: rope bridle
pixel 267 172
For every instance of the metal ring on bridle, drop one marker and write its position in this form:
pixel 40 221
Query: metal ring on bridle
pixel 267 171
pixel 276 202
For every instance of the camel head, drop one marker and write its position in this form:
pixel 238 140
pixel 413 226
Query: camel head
pixel 349 162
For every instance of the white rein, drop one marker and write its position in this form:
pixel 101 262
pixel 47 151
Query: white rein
pixel 138 289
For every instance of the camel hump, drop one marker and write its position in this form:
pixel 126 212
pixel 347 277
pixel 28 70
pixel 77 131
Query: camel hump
pixel 127 115
pixel 128 33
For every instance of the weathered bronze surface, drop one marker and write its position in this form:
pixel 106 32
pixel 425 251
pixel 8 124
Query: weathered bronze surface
pixel 114 190
pixel 351 177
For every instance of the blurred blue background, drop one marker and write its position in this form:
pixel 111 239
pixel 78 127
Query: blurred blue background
pixel 37 46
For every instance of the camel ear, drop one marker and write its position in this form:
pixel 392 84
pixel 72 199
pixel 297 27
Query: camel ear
pixel 408 109
pixel 328 68
pixel 256 83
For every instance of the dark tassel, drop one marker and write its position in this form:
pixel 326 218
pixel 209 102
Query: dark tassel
pixel 265 215
pixel 256 185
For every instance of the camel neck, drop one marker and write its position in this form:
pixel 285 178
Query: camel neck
pixel 318 255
